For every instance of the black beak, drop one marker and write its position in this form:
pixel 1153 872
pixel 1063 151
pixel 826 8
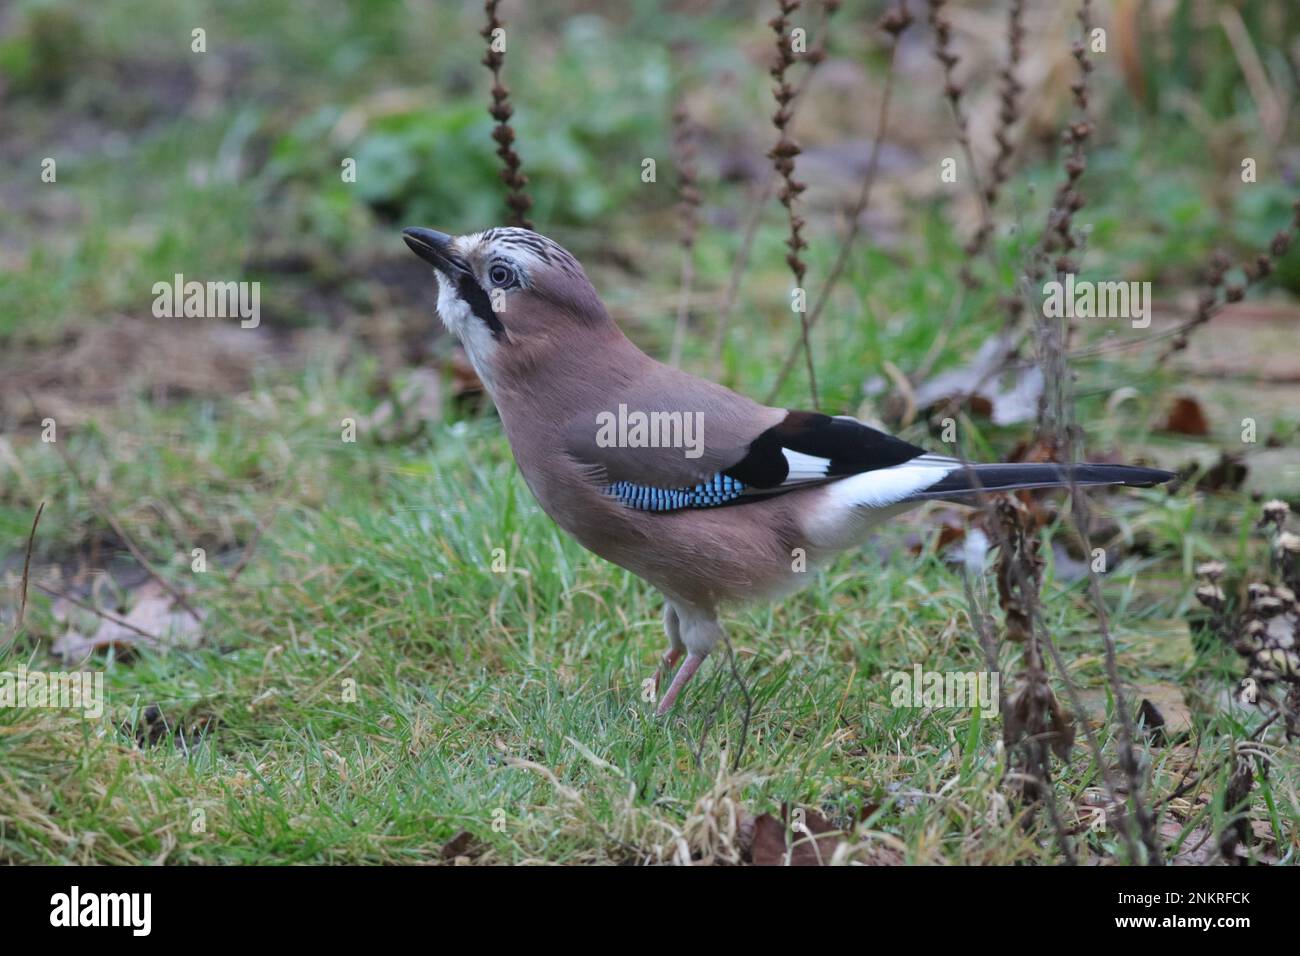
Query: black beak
pixel 433 247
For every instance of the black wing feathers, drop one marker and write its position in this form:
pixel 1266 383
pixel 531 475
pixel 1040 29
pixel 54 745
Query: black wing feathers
pixel 1009 476
pixel 848 446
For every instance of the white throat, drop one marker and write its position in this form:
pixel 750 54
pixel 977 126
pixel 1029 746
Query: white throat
pixel 474 335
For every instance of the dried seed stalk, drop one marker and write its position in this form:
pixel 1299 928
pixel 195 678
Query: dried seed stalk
pixel 1059 237
pixel 1218 292
pixel 953 92
pixel 894 22
pixel 815 57
pixel 783 160
pixel 517 200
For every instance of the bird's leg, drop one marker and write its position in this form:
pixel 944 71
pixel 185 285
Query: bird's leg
pixel 684 675
pixel 673 629
pixel 667 663
pixel 699 631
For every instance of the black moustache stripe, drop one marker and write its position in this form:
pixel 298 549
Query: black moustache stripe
pixel 479 303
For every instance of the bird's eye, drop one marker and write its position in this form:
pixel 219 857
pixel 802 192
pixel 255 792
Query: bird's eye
pixel 499 275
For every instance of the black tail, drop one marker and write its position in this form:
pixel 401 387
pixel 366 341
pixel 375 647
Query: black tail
pixel 970 480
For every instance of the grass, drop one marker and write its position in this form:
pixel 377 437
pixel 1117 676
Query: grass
pixel 414 651
pixel 371 686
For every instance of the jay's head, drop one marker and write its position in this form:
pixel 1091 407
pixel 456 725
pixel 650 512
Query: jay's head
pixel 512 296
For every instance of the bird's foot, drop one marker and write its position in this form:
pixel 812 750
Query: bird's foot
pixel 684 675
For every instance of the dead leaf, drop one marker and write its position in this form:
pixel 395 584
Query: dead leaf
pixel 152 611
pixel 951 526
pixel 1197 849
pixel 459 847
pixel 1034 712
pixel 1186 417
pixel 812 842
pixel 1163 709
pixel 1006 392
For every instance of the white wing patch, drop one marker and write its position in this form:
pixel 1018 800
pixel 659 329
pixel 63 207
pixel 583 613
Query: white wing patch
pixel 804 467
pixel 888 486
pixel 849 507
pixel 873 484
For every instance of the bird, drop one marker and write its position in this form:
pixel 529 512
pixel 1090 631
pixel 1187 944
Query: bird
pixel 708 496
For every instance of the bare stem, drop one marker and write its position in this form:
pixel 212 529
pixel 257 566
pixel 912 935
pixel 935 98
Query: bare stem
pixel 27 566
pixel 894 23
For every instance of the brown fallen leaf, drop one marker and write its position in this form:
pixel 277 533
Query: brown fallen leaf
pixel 991 383
pixel 152 611
pixel 1163 710
pixel 951 531
pixel 1186 417
pixel 812 844
pixel 1034 712
pixel 458 847
pixel 1197 849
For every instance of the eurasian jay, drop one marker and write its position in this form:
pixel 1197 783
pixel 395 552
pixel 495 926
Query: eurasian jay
pixel 706 495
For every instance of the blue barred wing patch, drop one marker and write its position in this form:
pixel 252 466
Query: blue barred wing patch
pixel 718 490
